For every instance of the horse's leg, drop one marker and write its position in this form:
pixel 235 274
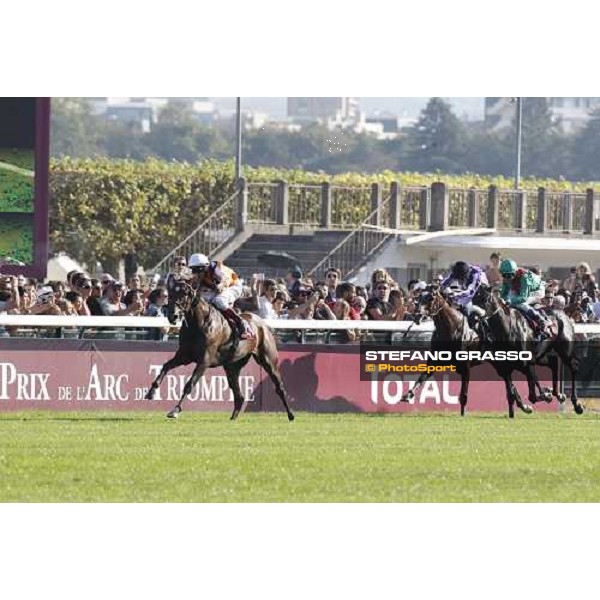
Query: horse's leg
pixel 510 393
pixel 465 377
pixel 266 357
pixel 423 377
pixel 572 365
pixel 187 389
pixel 232 370
pixel 553 363
pixel 178 360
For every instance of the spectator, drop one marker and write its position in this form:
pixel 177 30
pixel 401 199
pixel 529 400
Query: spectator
pixel 333 277
pixel 84 289
pixel 380 275
pixel 94 300
pixel 345 306
pixel 570 282
pixel 302 303
pixel 360 305
pixel 77 303
pixel 400 312
pixel 134 289
pixel 265 301
pixel 113 306
pixel 279 304
pixel 293 281
pixel 362 292
pixel 105 281
pixel 492 271
pixel 378 307
pixel 585 280
pixel 157 300
pixel 9 295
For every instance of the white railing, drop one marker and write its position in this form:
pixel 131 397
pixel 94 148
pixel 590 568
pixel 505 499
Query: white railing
pixel 282 324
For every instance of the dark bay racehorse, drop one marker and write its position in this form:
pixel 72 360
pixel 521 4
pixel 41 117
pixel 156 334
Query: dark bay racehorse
pixel 452 332
pixel 206 339
pixel 511 329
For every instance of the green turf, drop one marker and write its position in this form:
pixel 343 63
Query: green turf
pixel 143 457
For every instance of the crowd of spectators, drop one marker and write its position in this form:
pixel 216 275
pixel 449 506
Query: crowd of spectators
pixel 292 297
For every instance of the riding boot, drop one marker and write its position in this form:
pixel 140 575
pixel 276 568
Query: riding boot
pixel 239 323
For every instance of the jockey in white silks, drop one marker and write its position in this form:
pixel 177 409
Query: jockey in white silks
pixel 225 286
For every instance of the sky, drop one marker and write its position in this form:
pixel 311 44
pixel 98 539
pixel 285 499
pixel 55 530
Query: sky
pixel 470 107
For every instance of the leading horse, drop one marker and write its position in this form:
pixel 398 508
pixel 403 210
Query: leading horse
pixel 207 339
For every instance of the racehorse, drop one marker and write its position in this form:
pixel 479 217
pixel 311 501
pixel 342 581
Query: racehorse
pixel 512 329
pixel 452 331
pixel 207 339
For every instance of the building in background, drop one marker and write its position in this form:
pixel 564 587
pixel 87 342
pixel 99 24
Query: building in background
pixel 333 112
pixel 144 112
pixel 571 114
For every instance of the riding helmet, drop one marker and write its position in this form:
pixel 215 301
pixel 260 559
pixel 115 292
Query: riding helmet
pixel 508 267
pixel 461 269
pixel 198 260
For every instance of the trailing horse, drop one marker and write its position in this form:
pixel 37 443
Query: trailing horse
pixel 207 339
pixel 453 332
pixel 511 329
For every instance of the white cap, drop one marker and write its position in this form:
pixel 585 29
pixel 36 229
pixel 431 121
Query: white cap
pixel 198 260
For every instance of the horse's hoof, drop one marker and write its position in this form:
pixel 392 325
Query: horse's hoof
pixel 407 397
pixel 173 414
pixel 149 396
pixel 527 409
pixel 562 398
pixel 578 409
pixel 234 415
pixel 547 397
pixel 291 417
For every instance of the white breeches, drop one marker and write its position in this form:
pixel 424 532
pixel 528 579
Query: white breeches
pixel 227 297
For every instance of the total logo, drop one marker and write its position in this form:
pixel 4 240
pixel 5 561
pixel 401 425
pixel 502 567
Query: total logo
pixel 390 389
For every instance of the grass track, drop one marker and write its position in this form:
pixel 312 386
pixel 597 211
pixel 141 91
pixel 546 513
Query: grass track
pixel 143 457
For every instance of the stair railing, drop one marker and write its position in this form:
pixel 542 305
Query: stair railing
pixel 357 247
pixel 211 235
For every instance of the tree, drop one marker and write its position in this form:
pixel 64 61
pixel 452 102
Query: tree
pixel 75 131
pixel 543 151
pixel 172 138
pixel 437 140
pixel 586 150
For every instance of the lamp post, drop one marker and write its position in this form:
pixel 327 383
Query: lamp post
pixel 518 157
pixel 238 148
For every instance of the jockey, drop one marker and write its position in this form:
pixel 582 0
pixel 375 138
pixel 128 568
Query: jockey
pixel 225 285
pixel 469 278
pixel 520 289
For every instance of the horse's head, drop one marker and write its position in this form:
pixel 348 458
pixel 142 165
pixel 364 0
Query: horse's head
pixel 484 298
pixel 181 297
pixel 430 300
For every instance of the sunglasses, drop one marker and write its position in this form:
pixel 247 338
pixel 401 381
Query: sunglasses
pixel 86 287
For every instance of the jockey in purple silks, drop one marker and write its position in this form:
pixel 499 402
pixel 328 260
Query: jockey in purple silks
pixel 469 278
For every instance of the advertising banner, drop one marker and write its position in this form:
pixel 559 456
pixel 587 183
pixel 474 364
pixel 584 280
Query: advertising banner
pixel 77 375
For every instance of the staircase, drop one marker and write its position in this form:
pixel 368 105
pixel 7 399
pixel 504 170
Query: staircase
pixel 308 247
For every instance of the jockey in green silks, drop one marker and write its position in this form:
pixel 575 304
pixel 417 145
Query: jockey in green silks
pixel 520 289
